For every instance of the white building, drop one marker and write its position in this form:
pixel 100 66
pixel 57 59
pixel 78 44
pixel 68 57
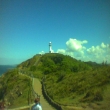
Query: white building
pixel 50 47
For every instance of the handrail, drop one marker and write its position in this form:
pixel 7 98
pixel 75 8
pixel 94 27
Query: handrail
pixel 53 103
pixel 47 97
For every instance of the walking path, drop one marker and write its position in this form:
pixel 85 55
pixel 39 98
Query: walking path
pixel 38 89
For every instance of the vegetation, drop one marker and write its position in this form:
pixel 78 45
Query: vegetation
pixel 12 90
pixel 78 87
pixel 67 80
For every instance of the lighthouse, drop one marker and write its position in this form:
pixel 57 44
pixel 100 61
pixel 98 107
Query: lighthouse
pixel 50 47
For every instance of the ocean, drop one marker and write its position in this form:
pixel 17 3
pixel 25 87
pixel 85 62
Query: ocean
pixel 5 68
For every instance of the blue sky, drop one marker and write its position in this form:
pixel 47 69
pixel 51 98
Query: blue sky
pixel 79 28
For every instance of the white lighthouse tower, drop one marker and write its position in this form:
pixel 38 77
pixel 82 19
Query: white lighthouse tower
pixel 50 47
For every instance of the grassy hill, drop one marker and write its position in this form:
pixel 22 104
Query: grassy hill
pixel 12 91
pixel 69 81
pixel 72 82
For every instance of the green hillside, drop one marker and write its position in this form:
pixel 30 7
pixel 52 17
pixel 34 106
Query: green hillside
pixel 68 81
pixel 12 91
pixel 72 82
pixel 50 63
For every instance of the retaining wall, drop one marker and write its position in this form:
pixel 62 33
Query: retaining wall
pixel 46 96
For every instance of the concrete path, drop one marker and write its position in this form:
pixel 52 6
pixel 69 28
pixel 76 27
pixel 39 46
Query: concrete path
pixel 38 89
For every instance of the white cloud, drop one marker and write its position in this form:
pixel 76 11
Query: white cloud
pixel 95 50
pixel 99 53
pixel 75 48
pixel 103 45
pixel 42 52
pixel 62 51
pixel 75 45
pixel 84 41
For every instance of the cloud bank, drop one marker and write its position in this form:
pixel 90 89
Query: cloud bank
pixel 76 49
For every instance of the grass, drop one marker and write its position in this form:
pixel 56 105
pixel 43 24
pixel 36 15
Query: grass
pixel 79 88
pixel 12 86
pixel 68 81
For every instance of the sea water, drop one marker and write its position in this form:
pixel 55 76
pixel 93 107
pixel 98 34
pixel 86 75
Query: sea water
pixel 5 68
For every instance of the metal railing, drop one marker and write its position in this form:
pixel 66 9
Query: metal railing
pixel 50 101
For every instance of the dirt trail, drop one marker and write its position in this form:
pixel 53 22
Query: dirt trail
pixel 37 88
